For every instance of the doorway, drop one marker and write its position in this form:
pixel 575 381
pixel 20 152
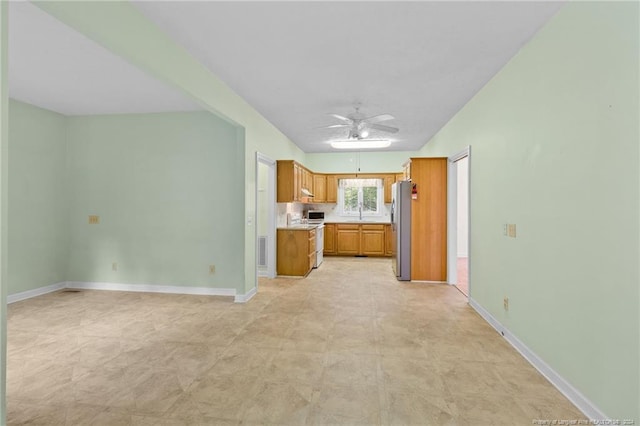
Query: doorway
pixel 265 217
pixel 458 219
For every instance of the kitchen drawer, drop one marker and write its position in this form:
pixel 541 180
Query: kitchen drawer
pixel 373 227
pixel 341 226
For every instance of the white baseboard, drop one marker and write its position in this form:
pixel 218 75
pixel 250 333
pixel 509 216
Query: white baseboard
pixel 145 288
pixel 152 288
pixel 12 298
pixel 244 298
pixel 580 401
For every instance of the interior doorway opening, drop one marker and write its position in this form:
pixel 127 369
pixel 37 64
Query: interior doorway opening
pixel 462 224
pixel 265 217
pixel 459 221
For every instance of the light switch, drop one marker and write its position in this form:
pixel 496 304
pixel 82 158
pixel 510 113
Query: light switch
pixel 94 220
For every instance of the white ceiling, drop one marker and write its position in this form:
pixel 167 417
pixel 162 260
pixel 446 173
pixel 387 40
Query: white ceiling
pixel 55 67
pixel 295 62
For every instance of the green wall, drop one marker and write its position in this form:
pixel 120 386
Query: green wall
pixel 349 162
pixel 121 28
pixel 38 209
pixel 555 143
pixel 163 187
pixel 4 195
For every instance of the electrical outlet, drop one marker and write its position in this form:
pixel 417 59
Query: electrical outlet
pixel 505 303
pixel 512 230
pixel 212 269
pixel 114 266
pixel 94 220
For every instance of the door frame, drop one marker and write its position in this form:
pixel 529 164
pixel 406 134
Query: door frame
pixel 271 215
pixel 452 216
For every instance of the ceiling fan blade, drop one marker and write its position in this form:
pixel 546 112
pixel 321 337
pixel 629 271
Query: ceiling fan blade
pixel 340 117
pixel 334 126
pixel 378 118
pixel 383 128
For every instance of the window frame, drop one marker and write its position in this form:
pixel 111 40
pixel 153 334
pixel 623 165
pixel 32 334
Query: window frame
pixel 379 199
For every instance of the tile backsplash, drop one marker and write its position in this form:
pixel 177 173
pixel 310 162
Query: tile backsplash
pixel 331 213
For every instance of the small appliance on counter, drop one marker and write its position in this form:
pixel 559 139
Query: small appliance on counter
pixel 315 216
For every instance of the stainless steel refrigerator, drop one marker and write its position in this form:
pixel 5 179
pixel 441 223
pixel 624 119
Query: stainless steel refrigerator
pixel 401 229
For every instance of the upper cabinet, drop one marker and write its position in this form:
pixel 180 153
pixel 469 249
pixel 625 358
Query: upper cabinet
pixel 292 181
pixel 332 188
pixel 388 181
pixel 319 188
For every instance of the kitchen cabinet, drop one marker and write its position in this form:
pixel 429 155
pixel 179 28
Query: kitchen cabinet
pixel 329 238
pixel 388 181
pixel 332 188
pixel 296 251
pixel 372 240
pixel 347 239
pixel 353 239
pixel 307 180
pixel 319 188
pixel 291 178
pixel 406 174
pixel 399 177
pixel 429 219
pixel 388 242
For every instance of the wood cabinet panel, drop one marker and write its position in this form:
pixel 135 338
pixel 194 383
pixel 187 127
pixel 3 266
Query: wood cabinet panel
pixel 352 239
pixel 388 181
pixel 332 189
pixel 429 219
pixel 330 239
pixel 372 240
pixel 296 252
pixel 319 188
pixel 388 243
pixel 347 239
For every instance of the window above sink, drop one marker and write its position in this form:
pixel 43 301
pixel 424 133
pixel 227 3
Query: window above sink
pixel 360 198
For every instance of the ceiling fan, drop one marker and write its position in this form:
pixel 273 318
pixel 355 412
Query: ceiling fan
pixel 359 125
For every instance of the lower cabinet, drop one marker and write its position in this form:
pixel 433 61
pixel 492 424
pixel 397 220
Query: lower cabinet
pixel 351 239
pixel 348 239
pixel 330 238
pixel 296 251
pixel 372 240
pixel 388 240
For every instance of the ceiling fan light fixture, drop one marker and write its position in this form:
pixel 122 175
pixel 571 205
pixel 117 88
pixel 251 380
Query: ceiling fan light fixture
pixel 361 144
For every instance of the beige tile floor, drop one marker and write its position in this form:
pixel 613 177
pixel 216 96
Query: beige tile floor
pixel 347 345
